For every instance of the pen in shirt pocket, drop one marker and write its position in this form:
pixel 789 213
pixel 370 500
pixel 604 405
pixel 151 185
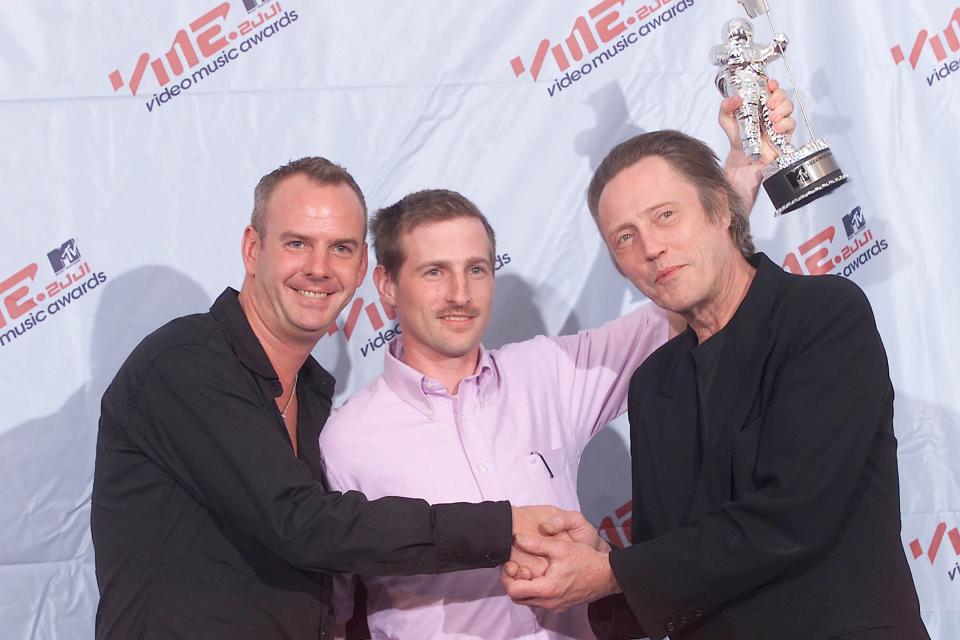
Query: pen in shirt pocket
pixel 544 461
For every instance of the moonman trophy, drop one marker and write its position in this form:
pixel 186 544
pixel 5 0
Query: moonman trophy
pixel 798 176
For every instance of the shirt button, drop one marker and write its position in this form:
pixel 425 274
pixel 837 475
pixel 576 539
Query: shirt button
pixel 483 468
pixel 697 613
pixel 670 627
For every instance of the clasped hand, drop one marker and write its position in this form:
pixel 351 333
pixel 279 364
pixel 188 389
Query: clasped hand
pixel 558 560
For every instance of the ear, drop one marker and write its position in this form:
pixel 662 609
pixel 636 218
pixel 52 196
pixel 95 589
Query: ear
pixel 250 249
pixel 386 286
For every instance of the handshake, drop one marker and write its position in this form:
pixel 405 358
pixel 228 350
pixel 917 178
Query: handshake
pixel 558 560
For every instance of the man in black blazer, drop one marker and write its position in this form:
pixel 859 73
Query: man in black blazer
pixel 765 489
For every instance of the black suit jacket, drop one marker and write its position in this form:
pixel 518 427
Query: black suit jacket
pixel 783 520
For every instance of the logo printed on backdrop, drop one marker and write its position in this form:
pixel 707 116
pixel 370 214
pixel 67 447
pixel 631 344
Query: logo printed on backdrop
pixel 616 528
pixel 603 25
pixel 933 549
pixel 818 255
pixel 376 312
pixel 203 43
pixel 252 5
pixel 950 34
pixel 27 308
pixel 67 255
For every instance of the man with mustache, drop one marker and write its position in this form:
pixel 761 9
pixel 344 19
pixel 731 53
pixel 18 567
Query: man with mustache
pixel 765 489
pixel 450 420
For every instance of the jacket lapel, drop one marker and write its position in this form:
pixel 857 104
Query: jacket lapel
pixel 668 415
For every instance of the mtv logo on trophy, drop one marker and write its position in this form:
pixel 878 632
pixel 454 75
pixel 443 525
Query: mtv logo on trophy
pixel 799 175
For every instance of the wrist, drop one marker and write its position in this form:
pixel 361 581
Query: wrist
pixel 612 586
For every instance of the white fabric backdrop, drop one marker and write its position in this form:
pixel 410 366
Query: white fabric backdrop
pixel 137 176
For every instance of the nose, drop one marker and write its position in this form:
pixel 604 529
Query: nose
pixel 458 289
pixel 650 244
pixel 317 264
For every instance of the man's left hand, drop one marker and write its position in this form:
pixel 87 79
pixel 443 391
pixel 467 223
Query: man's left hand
pixel 744 173
pixel 577 573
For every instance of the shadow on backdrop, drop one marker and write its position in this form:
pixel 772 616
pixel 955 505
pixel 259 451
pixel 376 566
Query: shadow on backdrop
pixel 515 316
pixel 47 471
pixel 603 296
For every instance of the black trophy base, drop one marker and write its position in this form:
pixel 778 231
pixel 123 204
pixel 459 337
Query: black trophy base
pixel 812 176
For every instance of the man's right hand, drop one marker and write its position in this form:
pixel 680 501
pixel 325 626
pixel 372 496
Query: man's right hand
pixel 545 520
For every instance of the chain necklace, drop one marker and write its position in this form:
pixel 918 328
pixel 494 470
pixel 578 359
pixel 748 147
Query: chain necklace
pixel 283 412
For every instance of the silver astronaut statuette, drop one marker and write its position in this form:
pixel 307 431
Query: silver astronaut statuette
pixel 799 175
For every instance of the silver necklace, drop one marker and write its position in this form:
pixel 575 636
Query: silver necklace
pixel 283 412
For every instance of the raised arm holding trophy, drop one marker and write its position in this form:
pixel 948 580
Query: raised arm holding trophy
pixel 799 175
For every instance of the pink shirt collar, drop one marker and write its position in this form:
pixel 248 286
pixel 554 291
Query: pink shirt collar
pixel 414 388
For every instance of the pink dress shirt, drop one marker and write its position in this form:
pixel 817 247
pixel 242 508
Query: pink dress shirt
pixel 514 431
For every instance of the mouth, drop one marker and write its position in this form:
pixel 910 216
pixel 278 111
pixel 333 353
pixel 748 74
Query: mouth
pixel 313 295
pixel 667 274
pixel 457 316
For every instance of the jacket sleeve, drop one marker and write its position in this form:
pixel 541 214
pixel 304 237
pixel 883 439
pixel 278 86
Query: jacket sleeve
pixel 830 394
pixel 228 452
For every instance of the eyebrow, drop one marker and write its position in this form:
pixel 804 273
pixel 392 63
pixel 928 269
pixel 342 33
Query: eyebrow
pixel 351 242
pixel 663 203
pixel 448 263
pixel 292 235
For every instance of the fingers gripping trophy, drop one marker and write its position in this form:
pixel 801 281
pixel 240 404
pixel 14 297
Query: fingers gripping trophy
pixel 798 175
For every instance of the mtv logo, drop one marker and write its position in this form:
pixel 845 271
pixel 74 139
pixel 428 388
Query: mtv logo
pixel 68 254
pixel 251 5
pixel 854 222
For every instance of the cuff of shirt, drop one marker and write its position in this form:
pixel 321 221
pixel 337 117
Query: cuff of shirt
pixel 471 536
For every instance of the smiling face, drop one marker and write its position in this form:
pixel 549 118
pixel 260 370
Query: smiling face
pixel 309 261
pixel 442 291
pixel 662 239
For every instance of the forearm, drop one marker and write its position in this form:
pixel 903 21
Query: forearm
pixel 744 176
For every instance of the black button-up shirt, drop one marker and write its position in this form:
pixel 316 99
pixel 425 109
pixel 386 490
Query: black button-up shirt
pixel 205 523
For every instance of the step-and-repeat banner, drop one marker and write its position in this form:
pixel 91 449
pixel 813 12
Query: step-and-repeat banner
pixel 133 133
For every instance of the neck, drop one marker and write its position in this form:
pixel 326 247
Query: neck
pixel 447 370
pixel 714 315
pixel 285 356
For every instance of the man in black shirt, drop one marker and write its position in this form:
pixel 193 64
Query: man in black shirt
pixel 209 514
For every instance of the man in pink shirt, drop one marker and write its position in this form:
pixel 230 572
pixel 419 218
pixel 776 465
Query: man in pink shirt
pixel 450 421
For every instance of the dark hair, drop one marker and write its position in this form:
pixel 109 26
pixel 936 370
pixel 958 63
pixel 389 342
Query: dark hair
pixel 695 161
pixel 316 169
pixel 432 205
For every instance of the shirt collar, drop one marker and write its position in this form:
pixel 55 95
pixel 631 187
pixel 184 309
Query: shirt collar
pixel 227 310
pixel 413 386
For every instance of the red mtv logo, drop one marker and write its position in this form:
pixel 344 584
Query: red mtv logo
pixel 208 41
pixel 934 548
pixel 607 27
pixel 19 300
pixel 353 316
pixel 611 530
pixel 935 43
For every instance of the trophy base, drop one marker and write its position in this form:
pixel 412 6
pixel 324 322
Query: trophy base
pixel 813 175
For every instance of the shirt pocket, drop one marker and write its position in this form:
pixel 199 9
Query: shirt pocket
pixel 551 480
